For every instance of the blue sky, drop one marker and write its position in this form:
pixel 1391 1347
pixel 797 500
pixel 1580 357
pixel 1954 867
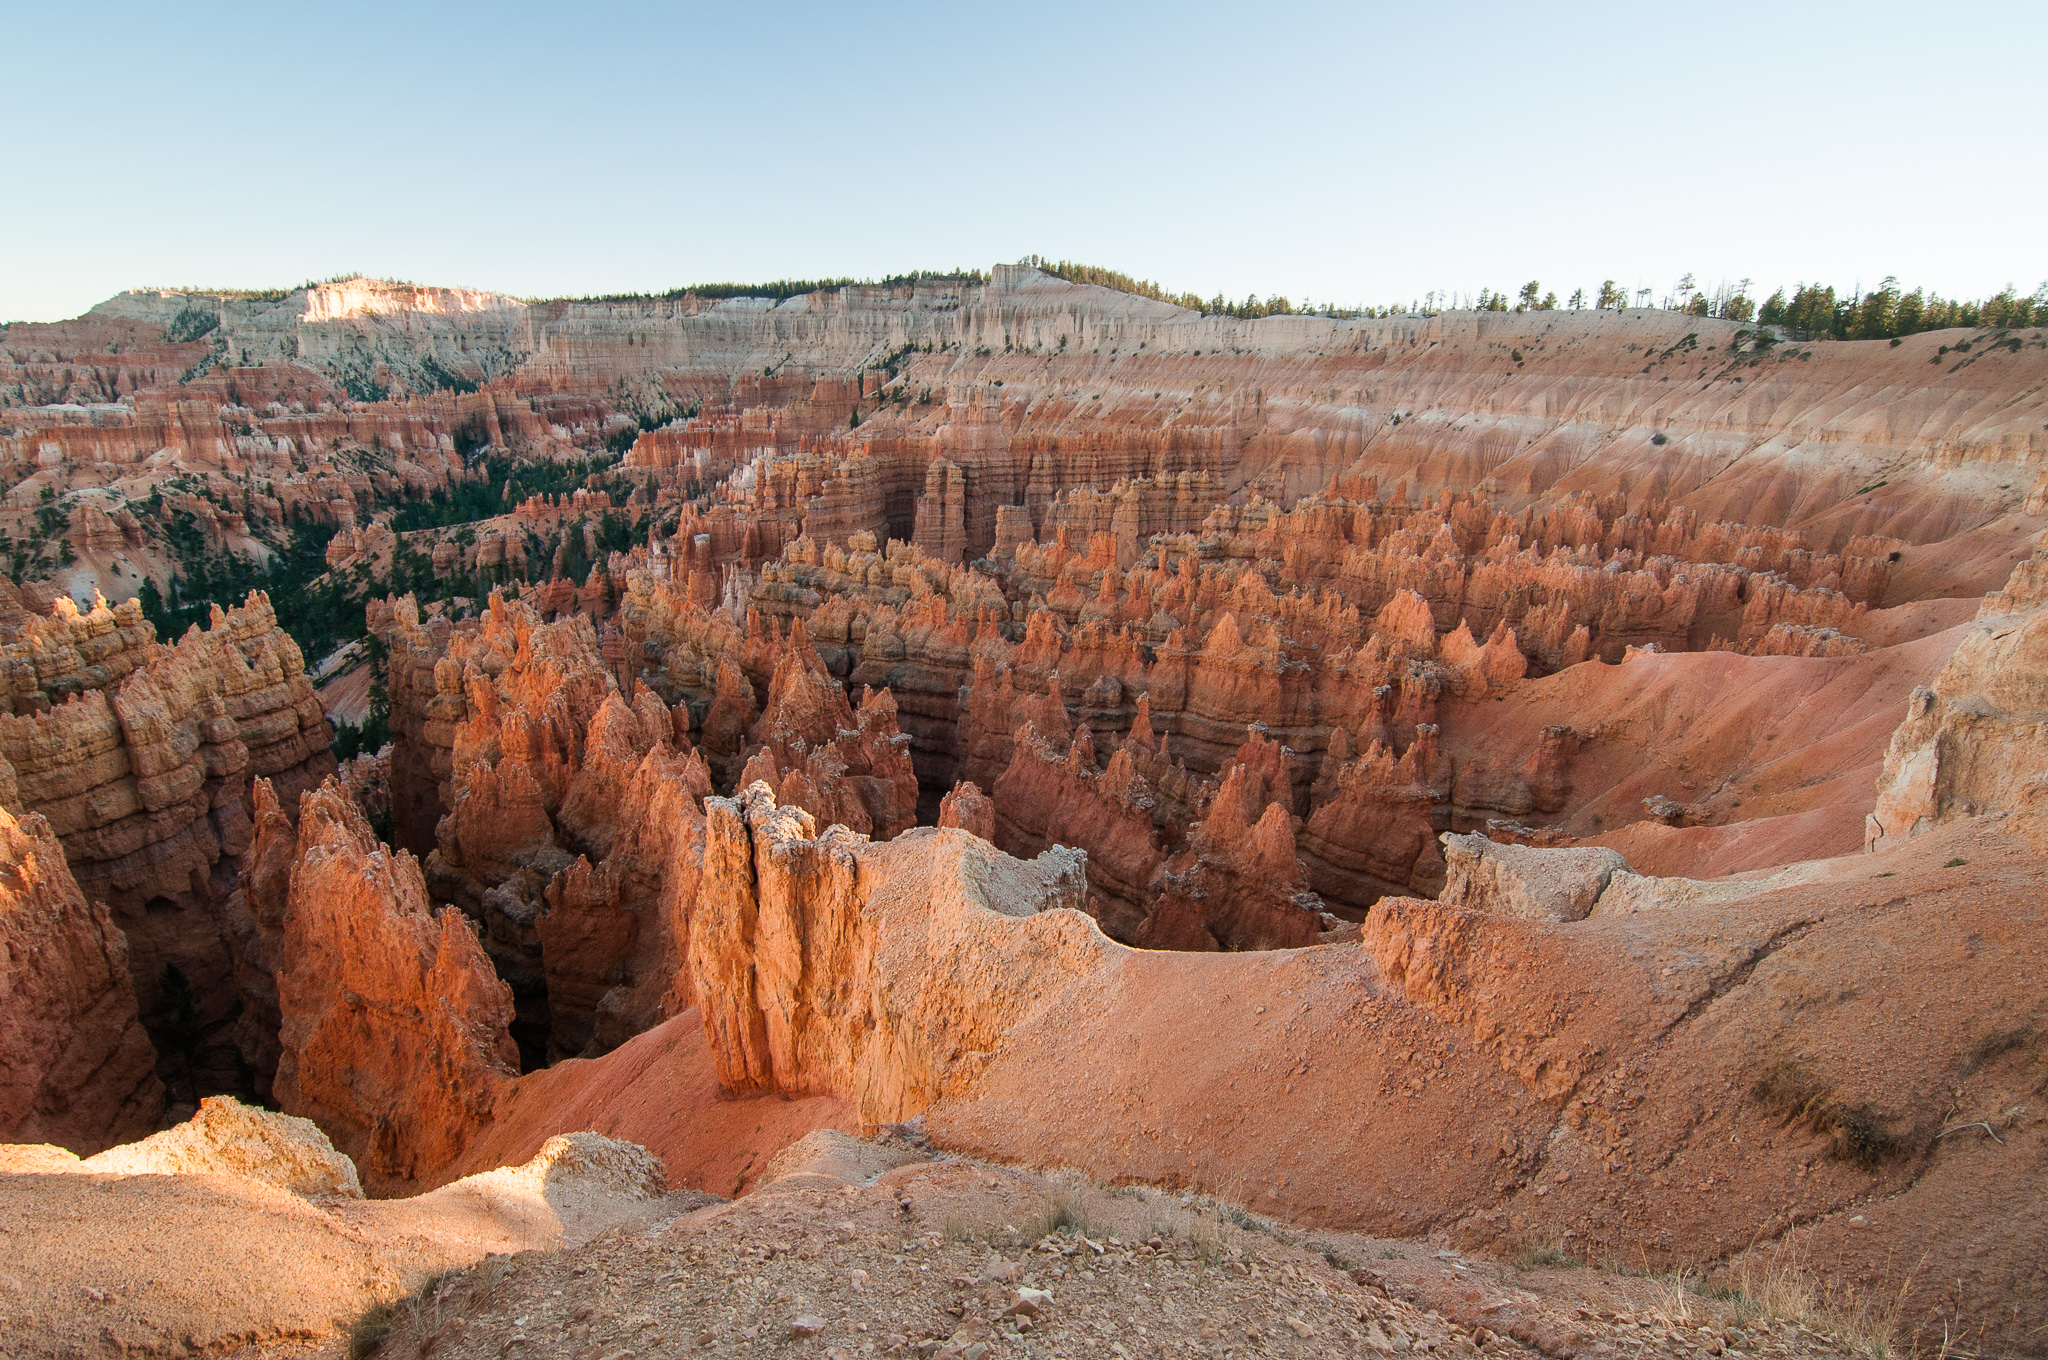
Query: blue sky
pixel 1352 153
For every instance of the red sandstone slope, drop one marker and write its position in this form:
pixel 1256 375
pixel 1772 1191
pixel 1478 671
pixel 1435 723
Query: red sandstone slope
pixel 1251 613
pixel 1633 1068
pixel 1625 1060
pixel 660 1090
pixel 1772 758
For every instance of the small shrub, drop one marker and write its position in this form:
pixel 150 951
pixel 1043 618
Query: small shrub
pixel 1955 864
pixel 1858 1136
pixel 1064 1209
pixel 1660 438
pixel 1330 1252
pixel 370 1329
pixel 1536 1256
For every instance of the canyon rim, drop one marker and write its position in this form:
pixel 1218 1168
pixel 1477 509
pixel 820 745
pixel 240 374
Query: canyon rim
pixel 629 825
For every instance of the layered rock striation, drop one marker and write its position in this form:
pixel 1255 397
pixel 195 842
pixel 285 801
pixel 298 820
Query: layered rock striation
pixel 76 1067
pixel 1348 628
pixel 568 819
pixel 804 988
pixel 140 755
pixel 561 816
pixel 968 417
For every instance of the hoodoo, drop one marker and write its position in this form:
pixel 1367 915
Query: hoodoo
pixel 1559 785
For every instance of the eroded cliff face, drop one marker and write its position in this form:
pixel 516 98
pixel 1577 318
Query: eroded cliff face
pixel 1032 385
pixel 1359 633
pixel 140 755
pixel 805 989
pixel 395 1030
pixel 1231 881
pixel 1976 740
pixel 968 417
pixel 76 1067
pixel 813 749
pixel 934 975
pixel 1266 618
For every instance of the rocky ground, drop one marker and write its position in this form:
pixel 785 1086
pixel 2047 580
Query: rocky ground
pixel 960 1258
pixel 195 1242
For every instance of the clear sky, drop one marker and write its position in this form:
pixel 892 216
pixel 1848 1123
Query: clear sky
pixel 1351 153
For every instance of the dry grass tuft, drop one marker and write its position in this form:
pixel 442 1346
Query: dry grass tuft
pixel 1541 1255
pixel 1062 1208
pixel 1201 1225
pixel 1778 1286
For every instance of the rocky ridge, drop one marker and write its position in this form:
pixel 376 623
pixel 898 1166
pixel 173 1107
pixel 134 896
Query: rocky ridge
pixel 140 756
pixel 955 414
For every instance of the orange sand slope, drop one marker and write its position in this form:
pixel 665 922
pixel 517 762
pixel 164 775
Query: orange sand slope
pixel 658 1090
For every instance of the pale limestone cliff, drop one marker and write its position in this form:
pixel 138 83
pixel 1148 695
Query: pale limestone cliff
pixel 1975 740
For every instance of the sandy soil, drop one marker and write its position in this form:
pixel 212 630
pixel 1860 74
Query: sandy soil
pixel 1596 1081
pixel 92 1264
pixel 659 1090
pixel 168 1264
pixel 1777 755
pixel 1914 620
pixel 1970 564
